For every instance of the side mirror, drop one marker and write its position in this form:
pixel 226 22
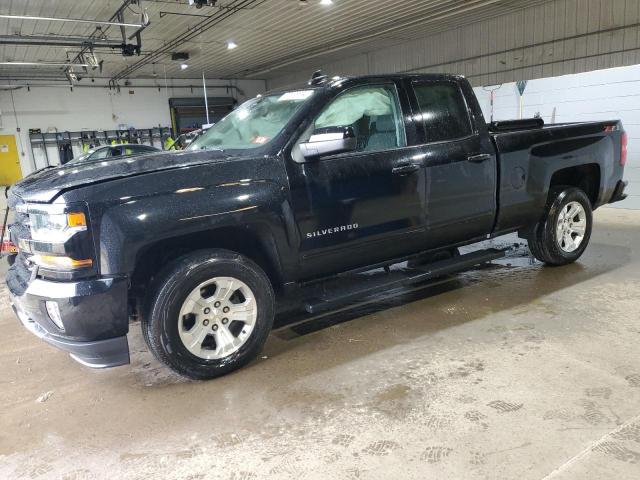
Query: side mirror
pixel 328 141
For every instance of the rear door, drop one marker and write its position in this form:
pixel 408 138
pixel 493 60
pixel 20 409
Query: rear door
pixel 460 164
pixel 364 206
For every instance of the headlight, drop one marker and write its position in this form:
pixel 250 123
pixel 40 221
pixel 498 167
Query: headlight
pixel 59 227
pixel 60 241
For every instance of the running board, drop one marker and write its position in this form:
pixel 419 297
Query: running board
pixel 345 290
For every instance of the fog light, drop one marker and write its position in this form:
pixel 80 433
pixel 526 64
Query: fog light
pixel 53 309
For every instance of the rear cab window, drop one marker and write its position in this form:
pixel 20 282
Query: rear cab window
pixel 442 111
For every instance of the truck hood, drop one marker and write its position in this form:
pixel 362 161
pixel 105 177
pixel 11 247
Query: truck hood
pixel 45 185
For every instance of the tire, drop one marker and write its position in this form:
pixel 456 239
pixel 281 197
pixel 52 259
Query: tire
pixel 556 239
pixel 199 282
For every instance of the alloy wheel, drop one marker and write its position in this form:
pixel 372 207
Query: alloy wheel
pixel 217 318
pixel 571 227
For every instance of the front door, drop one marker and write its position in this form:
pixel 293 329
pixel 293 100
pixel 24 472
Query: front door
pixel 357 208
pixel 460 166
pixel 10 171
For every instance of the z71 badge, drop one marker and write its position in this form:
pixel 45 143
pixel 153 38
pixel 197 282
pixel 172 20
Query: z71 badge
pixel 331 231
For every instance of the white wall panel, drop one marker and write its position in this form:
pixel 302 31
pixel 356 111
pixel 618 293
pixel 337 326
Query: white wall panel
pixel 597 95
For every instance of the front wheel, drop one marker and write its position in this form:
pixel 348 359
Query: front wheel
pixel 210 313
pixel 563 233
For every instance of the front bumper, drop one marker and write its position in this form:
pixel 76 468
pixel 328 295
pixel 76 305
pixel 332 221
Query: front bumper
pixel 93 313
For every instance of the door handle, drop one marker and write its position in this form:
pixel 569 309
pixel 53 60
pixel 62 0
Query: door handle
pixel 482 157
pixel 404 169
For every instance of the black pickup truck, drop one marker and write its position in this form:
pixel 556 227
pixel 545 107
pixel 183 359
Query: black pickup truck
pixel 281 201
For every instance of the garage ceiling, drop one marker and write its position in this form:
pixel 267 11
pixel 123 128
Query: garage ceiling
pixel 272 35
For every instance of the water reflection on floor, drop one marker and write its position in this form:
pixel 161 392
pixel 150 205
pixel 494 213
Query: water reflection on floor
pixel 300 323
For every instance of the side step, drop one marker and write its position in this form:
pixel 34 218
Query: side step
pixel 336 293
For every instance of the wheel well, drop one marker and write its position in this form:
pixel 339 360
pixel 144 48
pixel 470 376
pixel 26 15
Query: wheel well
pixel 585 177
pixel 240 240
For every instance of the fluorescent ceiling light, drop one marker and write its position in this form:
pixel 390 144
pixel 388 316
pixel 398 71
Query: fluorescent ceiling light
pixel 231 44
pixel 45 64
pixel 76 20
pixel 326 2
pixel 184 66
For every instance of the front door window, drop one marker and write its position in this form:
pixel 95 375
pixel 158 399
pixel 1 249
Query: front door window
pixel 373 113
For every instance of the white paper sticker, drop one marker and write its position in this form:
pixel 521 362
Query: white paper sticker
pixel 4 148
pixel 299 95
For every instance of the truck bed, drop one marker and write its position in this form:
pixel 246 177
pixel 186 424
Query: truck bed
pixel 527 149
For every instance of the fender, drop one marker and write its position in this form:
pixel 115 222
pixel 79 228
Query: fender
pixel 196 200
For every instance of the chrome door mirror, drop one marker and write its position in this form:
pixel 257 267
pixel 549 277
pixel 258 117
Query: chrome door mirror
pixel 329 141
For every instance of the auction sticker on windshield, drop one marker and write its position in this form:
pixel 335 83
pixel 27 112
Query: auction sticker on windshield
pixel 299 95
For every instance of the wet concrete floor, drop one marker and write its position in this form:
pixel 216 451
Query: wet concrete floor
pixel 511 371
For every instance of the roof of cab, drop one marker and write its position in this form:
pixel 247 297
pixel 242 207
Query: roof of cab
pixel 338 81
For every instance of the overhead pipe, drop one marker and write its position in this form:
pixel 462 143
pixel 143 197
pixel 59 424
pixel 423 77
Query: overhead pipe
pixel 191 33
pixel 118 15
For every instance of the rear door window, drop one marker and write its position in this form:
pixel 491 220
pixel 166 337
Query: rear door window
pixel 443 111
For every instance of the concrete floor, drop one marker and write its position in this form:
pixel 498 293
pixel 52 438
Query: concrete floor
pixel 512 371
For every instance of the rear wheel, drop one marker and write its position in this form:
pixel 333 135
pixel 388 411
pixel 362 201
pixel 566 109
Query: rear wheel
pixel 562 235
pixel 210 313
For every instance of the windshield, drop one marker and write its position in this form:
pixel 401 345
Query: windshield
pixel 253 124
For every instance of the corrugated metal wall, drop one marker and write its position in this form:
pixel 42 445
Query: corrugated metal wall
pixel 556 38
